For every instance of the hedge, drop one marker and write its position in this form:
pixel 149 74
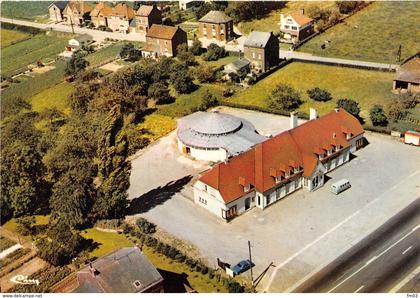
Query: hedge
pixel 26 29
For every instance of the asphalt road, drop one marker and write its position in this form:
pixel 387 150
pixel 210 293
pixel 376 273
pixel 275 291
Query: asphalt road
pixel 380 266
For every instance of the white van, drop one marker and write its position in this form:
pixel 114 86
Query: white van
pixel 340 186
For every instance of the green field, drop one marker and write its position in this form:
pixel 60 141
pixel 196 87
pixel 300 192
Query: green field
pixel 30 10
pixel 9 37
pixel 271 21
pixel 107 241
pixel 365 86
pixel 54 97
pixel 17 57
pixel 373 34
pixel 157 126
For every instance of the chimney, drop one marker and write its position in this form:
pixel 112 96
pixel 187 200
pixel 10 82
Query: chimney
pixel 336 110
pixel 302 11
pixel 313 114
pixel 293 120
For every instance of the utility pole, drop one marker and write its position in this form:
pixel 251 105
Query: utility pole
pixel 250 260
pixel 71 23
pixel 399 53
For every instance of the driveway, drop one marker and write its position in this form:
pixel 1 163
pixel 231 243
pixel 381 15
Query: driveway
pixel 288 228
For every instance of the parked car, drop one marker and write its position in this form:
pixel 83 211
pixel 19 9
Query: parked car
pixel 340 186
pixel 242 266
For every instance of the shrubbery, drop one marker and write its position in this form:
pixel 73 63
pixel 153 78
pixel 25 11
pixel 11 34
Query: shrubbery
pixel 146 226
pixel 214 52
pixel 319 94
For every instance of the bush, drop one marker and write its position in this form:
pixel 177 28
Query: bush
pixel 204 269
pixel 319 94
pixel 185 56
pixel 214 52
pixel 205 74
pixel 196 48
pixel 235 287
pixel 208 101
pixel 113 224
pixel 146 226
pixel 211 273
pixel 172 252
pixel 377 116
pixel 180 257
pixel 349 105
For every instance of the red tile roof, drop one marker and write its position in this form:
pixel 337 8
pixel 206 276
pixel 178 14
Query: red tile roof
pixel 162 31
pixel 145 10
pixel 297 147
pixel 300 18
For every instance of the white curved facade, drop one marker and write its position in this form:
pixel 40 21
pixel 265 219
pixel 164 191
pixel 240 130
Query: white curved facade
pixel 215 136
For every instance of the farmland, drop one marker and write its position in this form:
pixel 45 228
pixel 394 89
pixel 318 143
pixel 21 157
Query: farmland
pixel 9 37
pixel 54 97
pixel 108 53
pixel 373 34
pixel 364 86
pixel 15 58
pixel 32 10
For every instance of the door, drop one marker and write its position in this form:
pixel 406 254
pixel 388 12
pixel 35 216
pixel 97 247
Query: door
pixel 247 203
pixel 188 150
pixel 231 213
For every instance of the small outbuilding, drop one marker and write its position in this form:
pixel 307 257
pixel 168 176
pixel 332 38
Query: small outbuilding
pixel 412 138
pixel 408 76
pixel 240 68
pixel 80 40
pixel 214 136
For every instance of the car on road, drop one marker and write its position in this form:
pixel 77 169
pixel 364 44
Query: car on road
pixel 340 186
pixel 242 266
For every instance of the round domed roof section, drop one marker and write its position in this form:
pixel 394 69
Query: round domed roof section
pixel 216 123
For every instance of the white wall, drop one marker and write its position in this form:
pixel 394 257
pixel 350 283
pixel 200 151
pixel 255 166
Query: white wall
pixel 353 143
pixel 207 155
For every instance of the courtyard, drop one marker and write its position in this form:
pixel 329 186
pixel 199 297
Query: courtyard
pixel 384 172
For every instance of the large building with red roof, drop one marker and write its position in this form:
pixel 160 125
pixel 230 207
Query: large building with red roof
pixel 297 158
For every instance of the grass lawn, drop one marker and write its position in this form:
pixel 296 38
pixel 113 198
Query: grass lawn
pixel 109 52
pixel 17 57
pixel 157 125
pixel 373 34
pixel 54 97
pixel 218 63
pixel 270 22
pixel 365 86
pixel 9 37
pixel 107 241
pixel 185 103
pixel 199 282
pixel 40 220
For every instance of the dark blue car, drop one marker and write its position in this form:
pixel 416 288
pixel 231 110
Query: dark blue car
pixel 242 266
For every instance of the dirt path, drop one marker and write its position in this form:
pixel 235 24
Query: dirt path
pixel 26 270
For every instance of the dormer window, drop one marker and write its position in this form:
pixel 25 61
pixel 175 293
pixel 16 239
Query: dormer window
pixel 287 173
pixel 278 179
pixel 295 170
pixel 247 188
pixel 348 135
pixel 329 152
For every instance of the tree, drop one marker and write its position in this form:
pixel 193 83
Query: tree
pixel 284 98
pixel 72 197
pixel 25 224
pixel 160 93
pixel 196 48
pixel 208 101
pixel 185 56
pixel 347 6
pixel 319 94
pixel 13 106
pixel 349 105
pixel 76 64
pixel 82 95
pixel 205 74
pixel 395 110
pixel 181 80
pixel 408 100
pixel 113 168
pixel 129 52
pixel 377 116
pixel 248 10
pixel 214 52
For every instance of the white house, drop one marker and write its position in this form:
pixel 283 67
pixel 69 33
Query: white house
pixel 269 171
pixel 296 26
pixel 80 40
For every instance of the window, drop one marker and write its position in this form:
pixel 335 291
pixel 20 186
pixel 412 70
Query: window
pixel 259 200
pixel 259 56
pixel 253 55
pixel 295 170
pixel 287 174
pixel 205 187
pixel 278 179
pixel 294 28
pixel 286 26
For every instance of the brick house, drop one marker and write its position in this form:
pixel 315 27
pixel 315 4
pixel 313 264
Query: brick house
pixel 77 12
pixel 126 270
pixel 269 171
pixel 216 25
pixel 120 17
pixel 100 14
pixel 262 50
pixel 296 26
pixel 163 40
pixel 146 16
pixel 56 9
pixel 408 76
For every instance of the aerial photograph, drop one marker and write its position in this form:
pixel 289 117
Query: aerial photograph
pixel 210 147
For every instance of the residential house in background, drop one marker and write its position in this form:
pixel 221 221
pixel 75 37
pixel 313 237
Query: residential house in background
pixel 297 158
pixel 100 14
pixel 146 16
pixel 186 4
pixel 80 41
pixel 163 40
pixel 216 25
pixel 238 68
pixel 120 17
pixel 77 12
pixel 262 50
pixel 126 270
pixel 56 9
pixel 296 26
pixel 408 76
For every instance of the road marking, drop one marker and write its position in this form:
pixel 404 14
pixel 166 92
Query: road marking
pixel 405 251
pixel 370 261
pixel 278 267
pixel 357 291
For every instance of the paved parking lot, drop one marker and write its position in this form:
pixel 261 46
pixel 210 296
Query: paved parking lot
pixel 384 168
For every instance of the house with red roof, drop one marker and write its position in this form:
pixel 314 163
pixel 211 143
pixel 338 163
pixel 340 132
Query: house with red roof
pixel 294 159
pixel 296 26
pixel 146 16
